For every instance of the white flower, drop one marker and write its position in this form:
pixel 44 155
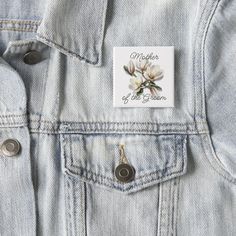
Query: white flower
pixel 130 68
pixel 143 64
pixel 153 73
pixel 135 83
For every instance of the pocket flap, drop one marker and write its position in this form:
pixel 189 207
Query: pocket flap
pixel 93 158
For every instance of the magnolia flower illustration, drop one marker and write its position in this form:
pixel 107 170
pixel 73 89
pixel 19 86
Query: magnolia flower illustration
pixel 144 76
pixel 135 83
pixel 143 65
pixel 153 73
pixel 130 68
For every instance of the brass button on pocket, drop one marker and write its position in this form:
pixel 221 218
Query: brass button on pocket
pixel 32 57
pixel 124 172
pixel 10 147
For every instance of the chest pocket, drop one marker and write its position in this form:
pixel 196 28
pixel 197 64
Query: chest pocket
pixel 98 202
pixel 95 158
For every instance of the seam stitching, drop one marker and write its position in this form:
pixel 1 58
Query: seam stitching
pixel 206 30
pixel 19 29
pixel 6 21
pixel 214 163
pixel 68 52
pixel 161 209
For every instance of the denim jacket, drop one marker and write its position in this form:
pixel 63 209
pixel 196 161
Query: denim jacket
pixel 63 142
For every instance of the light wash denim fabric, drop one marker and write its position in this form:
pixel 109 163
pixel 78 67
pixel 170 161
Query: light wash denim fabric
pixel 60 110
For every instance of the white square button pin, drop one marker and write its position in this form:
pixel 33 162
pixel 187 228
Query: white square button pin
pixel 143 76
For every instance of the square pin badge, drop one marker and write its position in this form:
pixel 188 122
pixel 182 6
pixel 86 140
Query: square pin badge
pixel 143 76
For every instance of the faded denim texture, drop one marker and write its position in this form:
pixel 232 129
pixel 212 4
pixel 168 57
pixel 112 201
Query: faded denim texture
pixel 60 110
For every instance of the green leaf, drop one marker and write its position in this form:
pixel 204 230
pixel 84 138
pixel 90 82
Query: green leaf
pixel 140 91
pixel 157 87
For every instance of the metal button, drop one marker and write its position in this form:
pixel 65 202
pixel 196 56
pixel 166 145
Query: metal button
pixel 124 172
pixel 10 147
pixel 32 57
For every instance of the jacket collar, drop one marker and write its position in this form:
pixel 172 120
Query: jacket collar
pixel 75 28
